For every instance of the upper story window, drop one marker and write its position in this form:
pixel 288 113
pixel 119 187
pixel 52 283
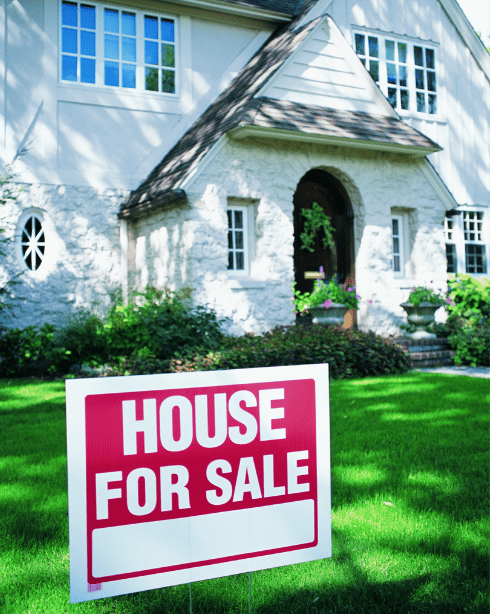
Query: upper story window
pixel 404 71
pixel 116 48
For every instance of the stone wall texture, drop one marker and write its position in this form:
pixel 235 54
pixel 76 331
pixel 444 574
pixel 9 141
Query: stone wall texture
pixel 187 244
pixel 82 266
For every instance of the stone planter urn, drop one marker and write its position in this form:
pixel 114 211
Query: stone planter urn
pixel 421 316
pixel 332 315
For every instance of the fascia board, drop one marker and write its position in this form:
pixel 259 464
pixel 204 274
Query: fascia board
pixel 438 184
pixel 468 34
pixel 238 9
pixel 243 132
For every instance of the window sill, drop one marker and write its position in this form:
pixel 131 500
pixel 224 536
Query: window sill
pixel 246 284
pixel 436 119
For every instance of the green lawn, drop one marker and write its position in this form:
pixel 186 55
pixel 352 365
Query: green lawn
pixel 410 483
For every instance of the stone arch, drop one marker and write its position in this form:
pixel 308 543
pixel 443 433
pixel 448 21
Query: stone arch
pixel 335 192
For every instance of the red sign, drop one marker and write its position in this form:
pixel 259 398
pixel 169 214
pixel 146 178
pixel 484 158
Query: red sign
pixel 196 477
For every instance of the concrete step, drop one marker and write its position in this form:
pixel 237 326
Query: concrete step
pixel 427 352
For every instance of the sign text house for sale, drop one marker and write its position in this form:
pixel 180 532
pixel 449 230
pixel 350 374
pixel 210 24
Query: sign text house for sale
pixel 175 478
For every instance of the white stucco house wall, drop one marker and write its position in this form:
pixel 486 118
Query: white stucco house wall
pixel 175 143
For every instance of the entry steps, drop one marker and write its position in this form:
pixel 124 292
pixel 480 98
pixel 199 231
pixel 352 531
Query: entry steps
pixel 427 352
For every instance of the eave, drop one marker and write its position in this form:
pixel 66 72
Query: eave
pixel 244 132
pixel 241 10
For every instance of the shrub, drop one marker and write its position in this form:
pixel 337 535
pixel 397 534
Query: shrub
pixel 138 337
pixel 28 351
pixel 349 353
pixel 471 340
pixel 470 297
pixel 161 324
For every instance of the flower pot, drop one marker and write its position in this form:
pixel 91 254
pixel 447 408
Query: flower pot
pixel 332 315
pixel 421 316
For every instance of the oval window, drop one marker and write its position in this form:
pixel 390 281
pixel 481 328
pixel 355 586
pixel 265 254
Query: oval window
pixel 33 242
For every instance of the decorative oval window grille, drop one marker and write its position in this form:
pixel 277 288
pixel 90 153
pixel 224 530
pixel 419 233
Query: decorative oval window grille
pixel 33 243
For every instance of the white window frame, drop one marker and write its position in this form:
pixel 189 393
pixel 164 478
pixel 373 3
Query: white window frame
pixel 398 246
pixel 232 235
pixel 379 66
pixel 460 233
pixel 100 59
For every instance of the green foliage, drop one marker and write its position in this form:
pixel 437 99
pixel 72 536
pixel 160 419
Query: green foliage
pixel 29 351
pixel 316 220
pixel 470 297
pixel 325 294
pixel 161 324
pixel 349 353
pixel 471 340
pixel 152 328
pixel 422 294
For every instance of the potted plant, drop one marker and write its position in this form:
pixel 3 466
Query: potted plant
pixel 421 308
pixel 327 303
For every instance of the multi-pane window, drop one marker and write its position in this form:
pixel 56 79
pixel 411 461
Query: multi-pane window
pixel 159 54
pixel 367 48
pixel 119 48
pixel 467 242
pixel 404 71
pixel 237 239
pixel 107 46
pixel 33 242
pixel 475 253
pixel 397 245
pixel 425 79
pixel 78 42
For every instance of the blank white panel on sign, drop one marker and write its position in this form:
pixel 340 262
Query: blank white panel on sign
pixel 153 545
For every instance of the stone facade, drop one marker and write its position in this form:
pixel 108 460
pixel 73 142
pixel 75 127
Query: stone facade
pixel 187 244
pixel 82 265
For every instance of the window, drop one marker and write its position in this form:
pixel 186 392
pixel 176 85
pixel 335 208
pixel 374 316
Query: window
pixel 451 256
pixel 238 239
pixel 466 248
pixel 404 71
pixel 475 257
pixel 397 260
pixel 116 48
pixel 33 242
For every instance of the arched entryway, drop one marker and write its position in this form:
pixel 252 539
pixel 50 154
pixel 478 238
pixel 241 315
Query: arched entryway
pixel 323 188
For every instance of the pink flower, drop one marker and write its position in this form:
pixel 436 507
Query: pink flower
pixel 358 297
pixel 349 289
pixel 321 269
pixel 369 301
pixel 327 303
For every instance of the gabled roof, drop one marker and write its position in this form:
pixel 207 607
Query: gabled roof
pixel 237 108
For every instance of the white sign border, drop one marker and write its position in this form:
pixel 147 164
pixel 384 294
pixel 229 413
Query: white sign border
pixel 78 390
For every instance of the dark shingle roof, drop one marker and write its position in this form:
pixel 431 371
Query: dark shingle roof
pixel 279 6
pixel 236 107
pixel 308 119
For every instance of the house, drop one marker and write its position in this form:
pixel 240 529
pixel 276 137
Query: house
pixel 176 143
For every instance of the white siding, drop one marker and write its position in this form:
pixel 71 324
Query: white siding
pixel 324 72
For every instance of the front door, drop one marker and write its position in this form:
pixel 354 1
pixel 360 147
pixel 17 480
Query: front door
pixel 338 263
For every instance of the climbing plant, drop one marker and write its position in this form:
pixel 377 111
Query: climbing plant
pixel 316 220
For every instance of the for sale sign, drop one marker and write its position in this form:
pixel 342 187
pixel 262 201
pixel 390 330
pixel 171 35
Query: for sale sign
pixel 184 477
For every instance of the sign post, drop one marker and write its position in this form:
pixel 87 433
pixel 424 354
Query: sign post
pixel 183 477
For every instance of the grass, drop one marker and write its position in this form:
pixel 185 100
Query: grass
pixel 410 483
